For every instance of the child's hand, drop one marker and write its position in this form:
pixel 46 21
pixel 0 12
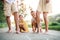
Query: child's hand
pixel 47 1
pixel 21 23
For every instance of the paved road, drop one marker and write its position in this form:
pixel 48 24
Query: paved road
pixel 51 35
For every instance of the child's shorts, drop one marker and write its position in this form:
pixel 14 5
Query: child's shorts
pixel 10 8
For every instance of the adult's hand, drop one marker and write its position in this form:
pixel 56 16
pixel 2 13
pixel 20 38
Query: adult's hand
pixel 3 1
pixel 47 1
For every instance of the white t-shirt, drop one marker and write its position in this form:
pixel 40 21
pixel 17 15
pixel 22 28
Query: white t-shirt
pixel 11 1
pixel 33 20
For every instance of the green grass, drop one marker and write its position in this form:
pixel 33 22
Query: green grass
pixel 51 27
pixel 2 25
pixel 55 27
pixel 29 26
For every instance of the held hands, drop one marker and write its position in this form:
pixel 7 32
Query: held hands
pixel 3 1
pixel 47 1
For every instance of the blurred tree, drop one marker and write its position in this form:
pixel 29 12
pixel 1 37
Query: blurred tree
pixel 52 19
pixel 2 17
pixel 58 19
pixel 58 15
pixel 23 8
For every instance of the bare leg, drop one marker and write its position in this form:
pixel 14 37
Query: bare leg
pixel 9 23
pixel 33 29
pixel 38 21
pixel 40 29
pixel 45 20
pixel 22 29
pixel 16 18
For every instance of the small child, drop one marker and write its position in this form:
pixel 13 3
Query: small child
pixel 22 24
pixel 35 26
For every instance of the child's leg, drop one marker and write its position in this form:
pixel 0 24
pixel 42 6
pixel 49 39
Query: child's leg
pixel 22 29
pixel 40 28
pixel 33 29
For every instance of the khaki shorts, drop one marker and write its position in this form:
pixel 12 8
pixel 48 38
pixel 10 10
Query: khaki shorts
pixel 10 8
pixel 43 7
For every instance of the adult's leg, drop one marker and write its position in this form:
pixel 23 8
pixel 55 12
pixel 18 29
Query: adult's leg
pixel 38 20
pixel 9 23
pixel 16 18
pixel 45 20
pixel 39 28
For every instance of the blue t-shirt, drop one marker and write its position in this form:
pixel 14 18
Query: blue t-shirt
pixel 10 1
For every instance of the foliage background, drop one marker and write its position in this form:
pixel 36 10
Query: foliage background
pixel 2 17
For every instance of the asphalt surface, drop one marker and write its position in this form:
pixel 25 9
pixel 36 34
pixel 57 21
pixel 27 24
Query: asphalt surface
pixel 51 35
